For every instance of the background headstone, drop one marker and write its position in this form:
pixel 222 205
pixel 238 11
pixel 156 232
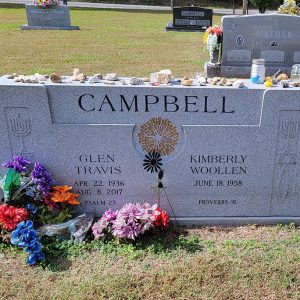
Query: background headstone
pixel 190 18
pixel 56 17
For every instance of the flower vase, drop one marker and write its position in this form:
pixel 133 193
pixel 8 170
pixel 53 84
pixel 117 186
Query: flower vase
pixel 215 56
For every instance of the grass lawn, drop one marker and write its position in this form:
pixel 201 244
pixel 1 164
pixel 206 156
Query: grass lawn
pixel 246 262
pixel 129 43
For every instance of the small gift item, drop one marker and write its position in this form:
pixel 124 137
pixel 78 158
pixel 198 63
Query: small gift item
pixel 268 82
pixel 284 83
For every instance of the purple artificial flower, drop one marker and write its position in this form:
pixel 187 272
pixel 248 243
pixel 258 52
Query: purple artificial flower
pixel 104 223
pixel 19 163
pixel 41 178
pixel 132 220
pixel 98 228
pixel 110 215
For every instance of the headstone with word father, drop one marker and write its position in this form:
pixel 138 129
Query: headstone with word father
pixel 274 37
pixel 228 155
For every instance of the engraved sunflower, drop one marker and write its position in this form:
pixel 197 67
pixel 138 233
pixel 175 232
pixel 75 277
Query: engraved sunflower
pixel 158 135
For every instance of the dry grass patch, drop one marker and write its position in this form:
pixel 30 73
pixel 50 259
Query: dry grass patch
pixel 247 262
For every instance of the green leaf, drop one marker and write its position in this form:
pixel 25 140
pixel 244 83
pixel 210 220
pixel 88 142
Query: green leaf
pixel 11 184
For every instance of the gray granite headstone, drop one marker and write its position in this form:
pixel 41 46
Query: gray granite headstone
pixel 274 37
pixel 56 17
pixel 229 155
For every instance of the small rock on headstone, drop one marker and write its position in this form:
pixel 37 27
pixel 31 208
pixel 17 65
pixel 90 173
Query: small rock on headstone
pixel 136 81
pixel 96 78
pixel 186 81
pixel 111 77
pixel 55 78
pixel 161 77
pixel 78 75
pixel 238 84
pixel 41 77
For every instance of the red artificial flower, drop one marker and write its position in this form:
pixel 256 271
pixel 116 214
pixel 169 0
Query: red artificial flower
pixel 218 31
pixel 51 205
pixel 161 219
pixel 11 216
pixel 210 30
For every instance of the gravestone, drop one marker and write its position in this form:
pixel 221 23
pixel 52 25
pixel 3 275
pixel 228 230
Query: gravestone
pixel 54 18
pixel 228 155
pixel 190 18
pixel 274 37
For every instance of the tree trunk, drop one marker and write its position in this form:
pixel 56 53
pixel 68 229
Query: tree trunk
pixel 245 7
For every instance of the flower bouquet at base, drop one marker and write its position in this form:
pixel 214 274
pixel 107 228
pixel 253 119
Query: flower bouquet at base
pixel 31 200
pixel 130 222
pixel 212 39
pixel 45 3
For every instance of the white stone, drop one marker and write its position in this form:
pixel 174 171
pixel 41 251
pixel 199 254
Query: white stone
pixel 238 84
pixel 96 78
pixel 111 77
pixel 78 75
pixel 41 77
pixel 202 81
pixel 161 77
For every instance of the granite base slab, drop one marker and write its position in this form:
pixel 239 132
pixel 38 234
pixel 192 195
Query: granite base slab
pixel 27 27
pixel 213 70
pixel 233 221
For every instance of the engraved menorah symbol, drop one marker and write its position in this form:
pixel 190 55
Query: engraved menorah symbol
pixel 20 126
pixel 289 130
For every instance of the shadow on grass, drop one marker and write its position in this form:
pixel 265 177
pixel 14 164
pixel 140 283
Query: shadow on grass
pixel 59 253
pixel 173 239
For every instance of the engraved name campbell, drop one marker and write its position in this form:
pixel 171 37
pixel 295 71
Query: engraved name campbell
pixel 148 103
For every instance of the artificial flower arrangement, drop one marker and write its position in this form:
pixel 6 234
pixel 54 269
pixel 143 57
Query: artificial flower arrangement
pixel 212 39
pixel 45 3
pixel 31 200
pixel 289 7
pixel 131 221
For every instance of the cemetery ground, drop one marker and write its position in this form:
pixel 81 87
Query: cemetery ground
pixel 246 262
pixel 129 43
